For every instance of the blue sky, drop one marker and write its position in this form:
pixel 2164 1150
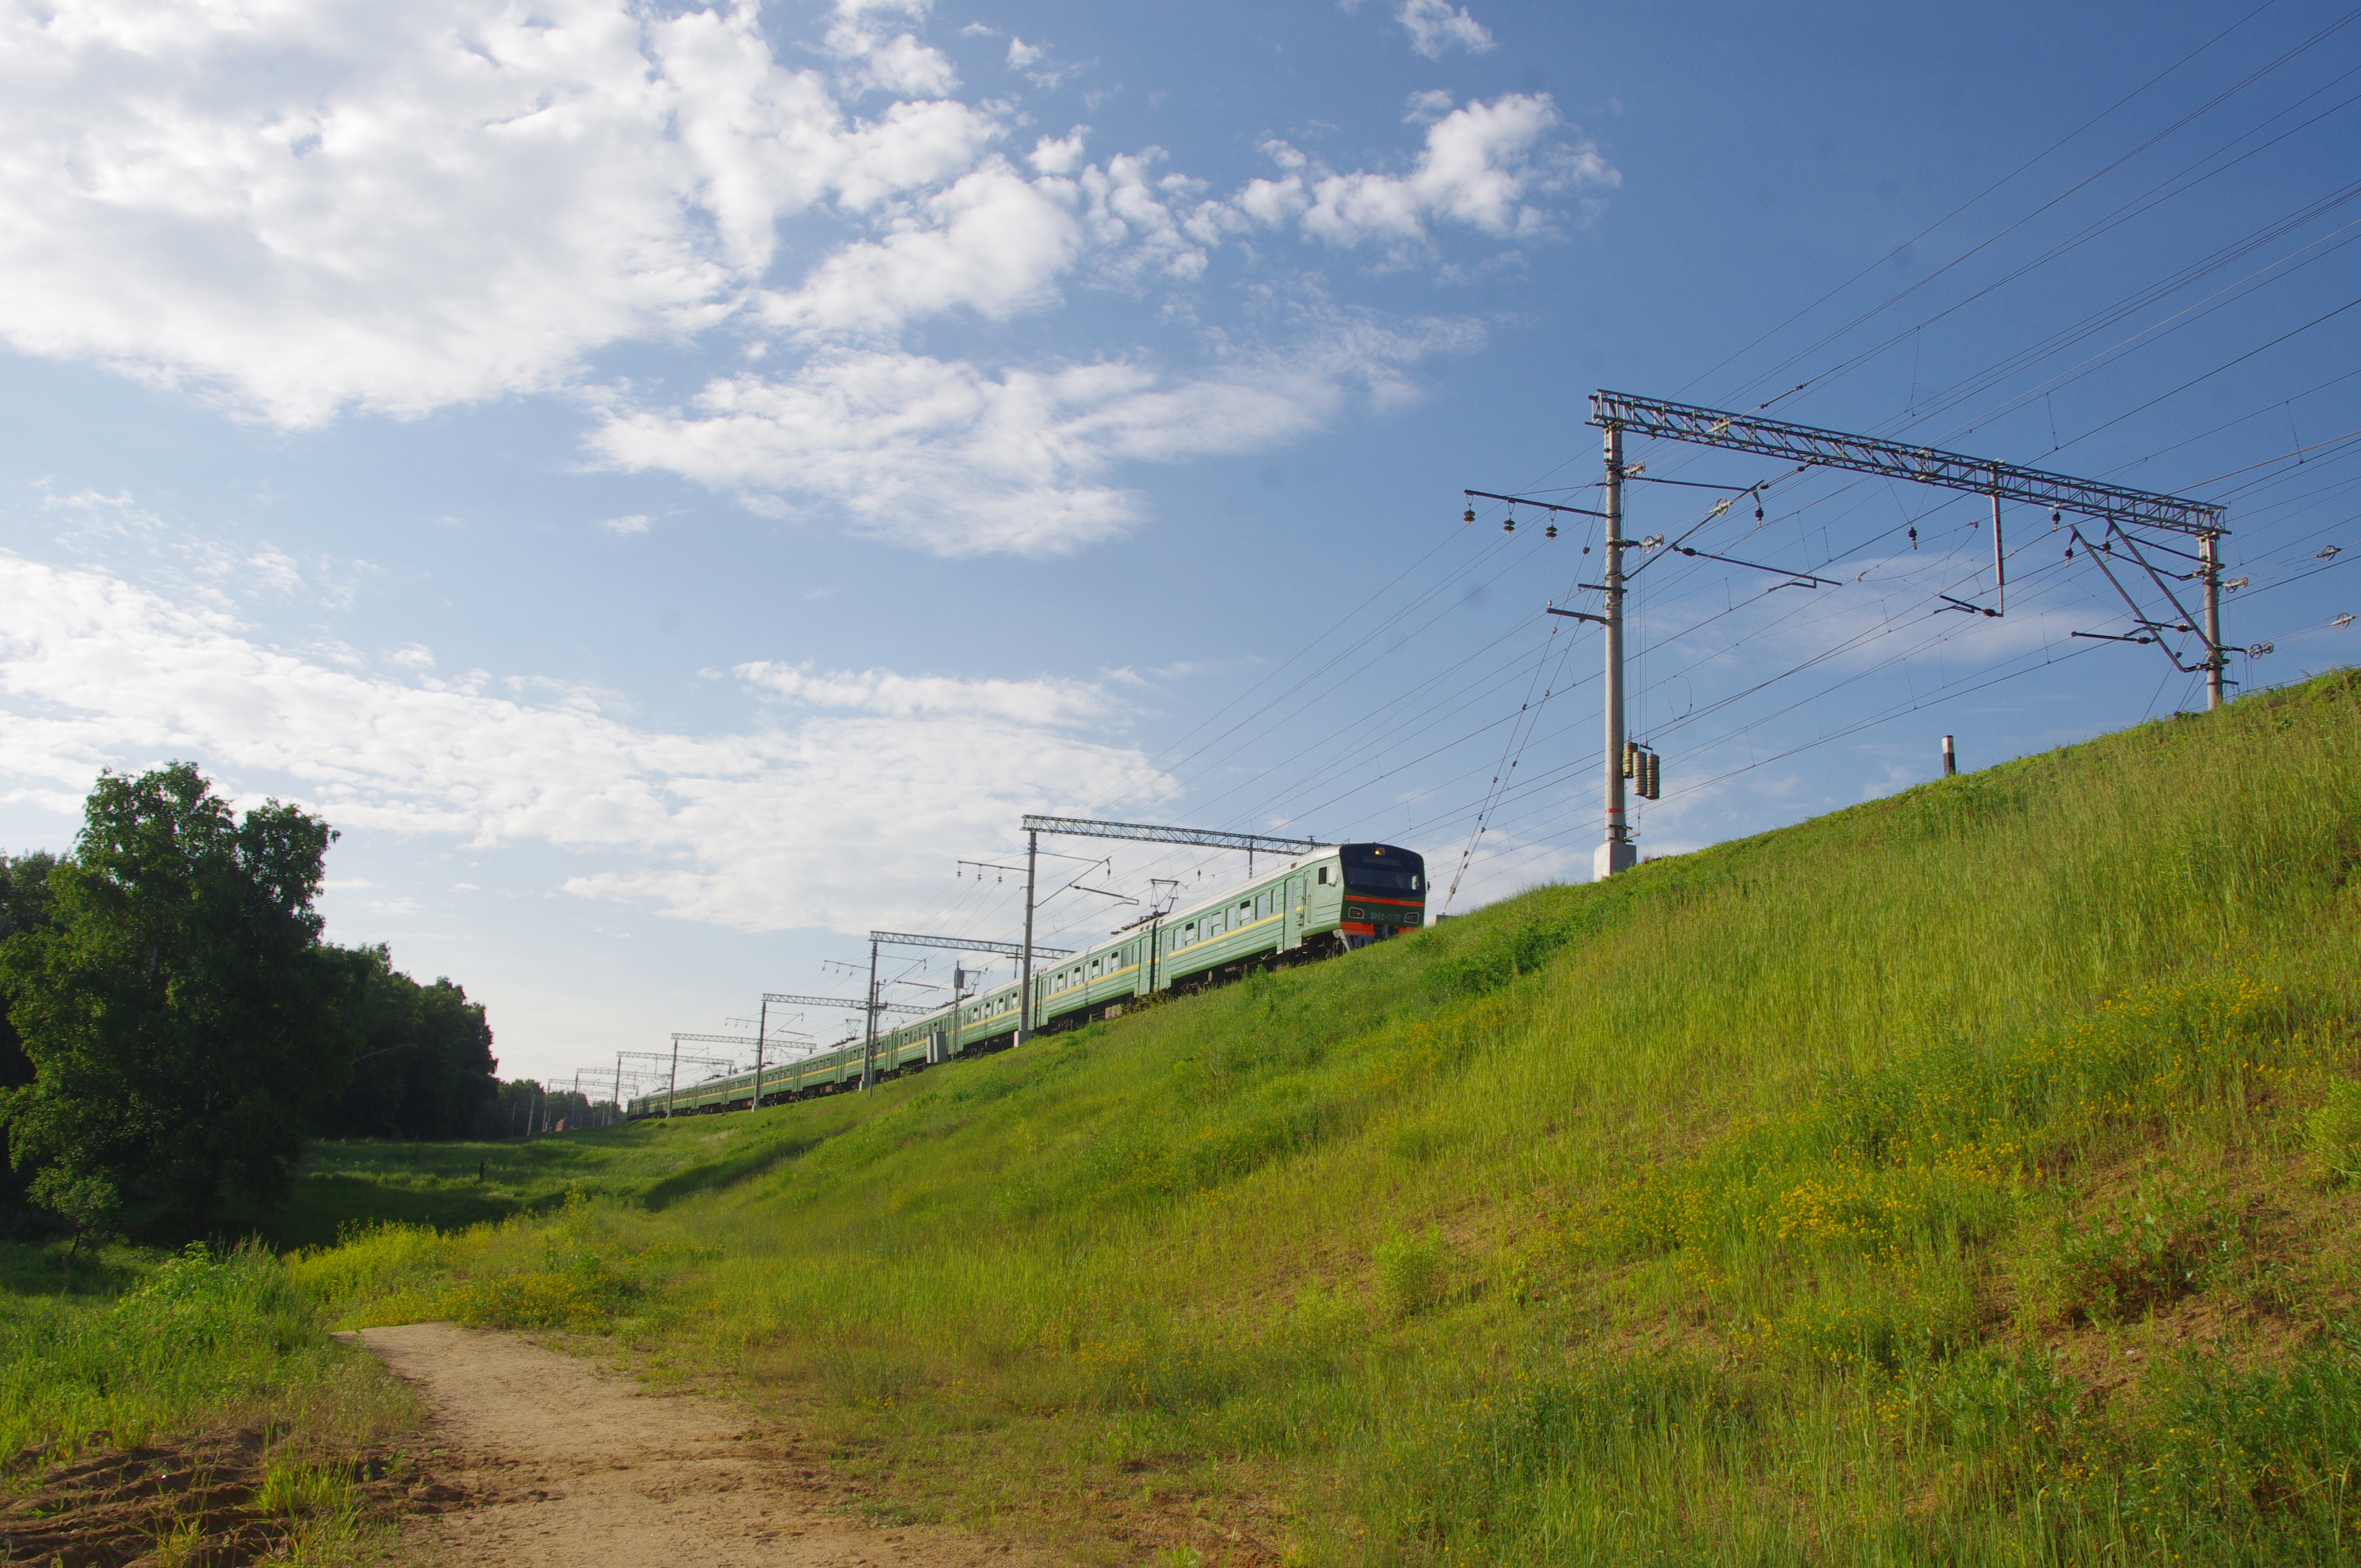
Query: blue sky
pixel 669 484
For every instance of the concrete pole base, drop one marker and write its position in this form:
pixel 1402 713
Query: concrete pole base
pixel 1608 859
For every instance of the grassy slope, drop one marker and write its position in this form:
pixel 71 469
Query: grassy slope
pixel 1924 1183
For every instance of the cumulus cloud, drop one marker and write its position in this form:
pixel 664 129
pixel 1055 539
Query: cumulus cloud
pixel 992 243
pixel 313 206
pixel 1436 27
pixel 962 461
pixel 832 818
pixel 1045 701
pixel 304 208
pixel 1482 166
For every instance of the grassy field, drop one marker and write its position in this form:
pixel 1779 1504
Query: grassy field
pixel 1962 1177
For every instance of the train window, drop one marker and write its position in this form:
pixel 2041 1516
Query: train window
pixel 1323 876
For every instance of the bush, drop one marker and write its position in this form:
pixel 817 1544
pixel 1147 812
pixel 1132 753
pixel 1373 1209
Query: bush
pixel 2333 1131
pixel 1410 1274
pixel 2112 1265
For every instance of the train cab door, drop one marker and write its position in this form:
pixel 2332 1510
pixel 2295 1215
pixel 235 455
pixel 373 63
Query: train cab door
pixel 1291 931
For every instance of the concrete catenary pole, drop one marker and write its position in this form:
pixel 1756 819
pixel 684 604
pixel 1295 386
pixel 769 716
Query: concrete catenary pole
pixel 868 1035
pixel 1024 973
pixel 762 1027
pixel 2208 552
pixel 1617 853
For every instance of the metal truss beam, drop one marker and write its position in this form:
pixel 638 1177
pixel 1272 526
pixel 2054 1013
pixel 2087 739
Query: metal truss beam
pixel 846 1004
pixel 1150 833
pixel 963 944
pixel 1892 460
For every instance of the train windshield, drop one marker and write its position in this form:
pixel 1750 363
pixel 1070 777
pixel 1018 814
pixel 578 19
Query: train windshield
pixel 1381 868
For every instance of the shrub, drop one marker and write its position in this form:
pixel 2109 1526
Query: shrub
pixel 2333 1131
pixel 2108 1266
pixel 1410 1274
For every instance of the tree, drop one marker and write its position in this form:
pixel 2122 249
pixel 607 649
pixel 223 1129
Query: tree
pixel 24 905
pixel 180 1014
pixel 425 1063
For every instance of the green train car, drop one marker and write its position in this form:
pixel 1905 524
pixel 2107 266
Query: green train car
pixel 1326 903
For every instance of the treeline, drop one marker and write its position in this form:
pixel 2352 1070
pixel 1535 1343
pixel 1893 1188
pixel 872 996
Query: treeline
pixel 175 1027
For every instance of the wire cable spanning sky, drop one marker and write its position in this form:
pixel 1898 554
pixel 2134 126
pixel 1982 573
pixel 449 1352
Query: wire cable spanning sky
pixel 670 484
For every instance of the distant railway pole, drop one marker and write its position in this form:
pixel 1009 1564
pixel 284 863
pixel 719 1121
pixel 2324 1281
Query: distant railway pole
pixel 957 945
pixel 1140 833
pixel 761 1027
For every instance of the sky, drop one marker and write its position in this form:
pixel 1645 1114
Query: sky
pixel 673 486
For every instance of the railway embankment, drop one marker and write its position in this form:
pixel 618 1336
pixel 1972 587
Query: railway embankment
pixel 1966 1175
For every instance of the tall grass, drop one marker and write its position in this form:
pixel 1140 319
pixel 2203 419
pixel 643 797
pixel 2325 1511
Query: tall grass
pixel 1936 1181
pixel 154 1350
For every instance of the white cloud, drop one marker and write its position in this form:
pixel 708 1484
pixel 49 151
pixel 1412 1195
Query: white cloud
pixel 1045 701
pixel 835 820
pixel 992 243
pixel 1425 108
pixel 302 209
pixel 305 208
pixel 626 526
pixel 945 455
pixel 1436 27
pixel 876 63
pixel 1481 166
pixel 275 570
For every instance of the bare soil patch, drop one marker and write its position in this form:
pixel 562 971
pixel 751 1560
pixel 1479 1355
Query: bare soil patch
pixel 562 1467
pixel 114 1507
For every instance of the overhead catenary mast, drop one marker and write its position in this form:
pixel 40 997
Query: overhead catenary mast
pixel 2121 509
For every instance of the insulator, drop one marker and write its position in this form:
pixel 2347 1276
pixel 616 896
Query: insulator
pixel 1508 525
pixel 1914 538
pixel 1631 759
pixel 1550 532
pixel 2069 552
pixel 2056 517
pixel 1758 511
pixel 1471 515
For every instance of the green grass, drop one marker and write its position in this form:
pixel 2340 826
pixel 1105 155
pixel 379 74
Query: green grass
pixel 1962 1177
pixel 130 1346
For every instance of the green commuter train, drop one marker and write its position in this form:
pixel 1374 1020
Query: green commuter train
pixel 1327 903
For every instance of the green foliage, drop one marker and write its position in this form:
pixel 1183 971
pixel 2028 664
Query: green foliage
pixel 2119 1262
pixel 179 1014
pixel 200 1338
pixel 424 1065
pixel 1413 1274
pixel 2333 1131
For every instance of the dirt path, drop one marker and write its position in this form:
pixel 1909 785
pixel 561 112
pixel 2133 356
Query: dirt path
pixel 563 1467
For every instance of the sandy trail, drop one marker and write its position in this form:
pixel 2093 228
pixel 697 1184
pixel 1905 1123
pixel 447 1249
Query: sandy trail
pixel 564 1466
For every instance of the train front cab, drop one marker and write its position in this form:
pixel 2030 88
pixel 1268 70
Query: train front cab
pixel 1384 893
